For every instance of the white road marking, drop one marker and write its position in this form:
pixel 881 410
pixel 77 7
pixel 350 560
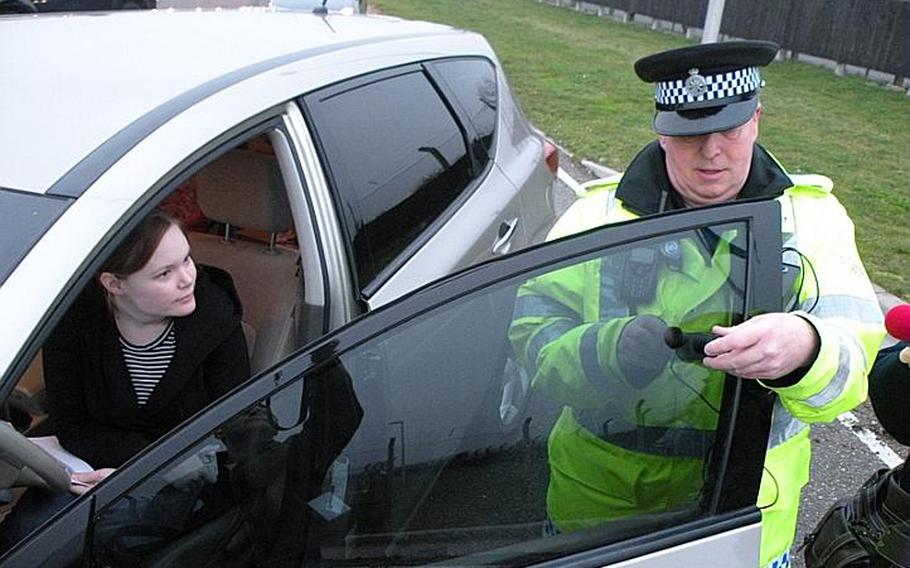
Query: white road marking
pixel 888 456
pixel 570 181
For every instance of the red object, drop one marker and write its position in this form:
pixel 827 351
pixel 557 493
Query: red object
pixel 897 322
pixel 551 155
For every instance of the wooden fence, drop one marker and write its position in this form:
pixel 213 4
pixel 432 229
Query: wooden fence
pixel 874 34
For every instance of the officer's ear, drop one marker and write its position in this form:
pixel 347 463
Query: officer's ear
pixel 662 140
pixel 758 112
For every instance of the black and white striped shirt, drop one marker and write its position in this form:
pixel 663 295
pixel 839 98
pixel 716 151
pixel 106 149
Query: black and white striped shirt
pixel 148 363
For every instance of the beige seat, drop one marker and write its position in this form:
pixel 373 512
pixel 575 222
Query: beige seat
pixel 244 189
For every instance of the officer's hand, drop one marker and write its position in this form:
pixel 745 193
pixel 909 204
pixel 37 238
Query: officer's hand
pixel 765 347
pixel 641 351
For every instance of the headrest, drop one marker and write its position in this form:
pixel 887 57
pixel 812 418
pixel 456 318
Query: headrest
pixel 245 189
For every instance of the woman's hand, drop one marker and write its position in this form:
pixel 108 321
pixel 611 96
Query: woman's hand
pixel 82 482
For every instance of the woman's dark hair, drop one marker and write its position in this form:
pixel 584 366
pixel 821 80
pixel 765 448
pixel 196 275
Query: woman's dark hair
pixel 140 245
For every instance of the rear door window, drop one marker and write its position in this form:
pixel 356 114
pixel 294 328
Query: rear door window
pixel 424 433
pixel 472 83
pixel 396 157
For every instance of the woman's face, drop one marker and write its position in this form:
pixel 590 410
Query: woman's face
pixel 163 288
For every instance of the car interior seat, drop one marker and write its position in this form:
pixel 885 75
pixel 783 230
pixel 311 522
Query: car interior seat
pixel 244 190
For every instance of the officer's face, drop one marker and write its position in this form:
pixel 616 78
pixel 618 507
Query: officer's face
pixel 711 168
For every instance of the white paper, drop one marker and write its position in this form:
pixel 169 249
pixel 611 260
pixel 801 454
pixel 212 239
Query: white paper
pixel 72 463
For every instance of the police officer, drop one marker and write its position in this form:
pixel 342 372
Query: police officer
pixel 615 449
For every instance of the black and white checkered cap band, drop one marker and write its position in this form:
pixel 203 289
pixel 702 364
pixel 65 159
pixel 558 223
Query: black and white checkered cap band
pixel 700 91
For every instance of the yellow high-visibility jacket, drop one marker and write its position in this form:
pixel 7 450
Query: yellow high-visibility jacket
pixel 560 334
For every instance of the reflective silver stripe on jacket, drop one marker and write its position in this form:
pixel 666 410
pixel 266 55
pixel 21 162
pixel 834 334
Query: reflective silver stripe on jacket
pixel 546 335
pixel 856 309
pixel 653 440
pixel 862 310
pixel 838 382
pixel 590 362
pixel 783 425
pixel 541 306
pixel 612 273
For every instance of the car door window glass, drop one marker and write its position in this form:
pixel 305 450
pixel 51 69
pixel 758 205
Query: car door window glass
pixel 473 83
pixel 398 160
pixel 471 428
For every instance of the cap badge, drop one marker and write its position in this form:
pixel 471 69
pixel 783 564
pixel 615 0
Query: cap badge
pixel 696 85
pixel 670 249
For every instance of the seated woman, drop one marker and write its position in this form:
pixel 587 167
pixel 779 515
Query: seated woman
pixel 155 340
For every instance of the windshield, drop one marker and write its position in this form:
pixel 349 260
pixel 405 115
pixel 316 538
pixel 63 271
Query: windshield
pixel 25 217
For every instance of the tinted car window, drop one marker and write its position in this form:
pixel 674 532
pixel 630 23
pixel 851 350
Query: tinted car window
pixel 429 442
pixel 397 158
pixel 25 218
pixel 473 84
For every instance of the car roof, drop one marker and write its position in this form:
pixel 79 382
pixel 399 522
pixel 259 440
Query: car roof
pixel 69 95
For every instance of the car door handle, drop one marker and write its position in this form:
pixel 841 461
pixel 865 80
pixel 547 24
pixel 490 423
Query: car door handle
pixel 503 242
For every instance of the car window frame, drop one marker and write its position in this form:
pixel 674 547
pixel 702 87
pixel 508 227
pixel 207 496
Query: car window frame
pixel 263 122
pixel 271 120
pixel 444 86
pixel 763 219
pixel 309 102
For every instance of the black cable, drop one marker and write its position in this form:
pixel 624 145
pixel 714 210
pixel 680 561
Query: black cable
pixel 776 489
pixel 694 390
pixel 716 410
pixel 804 260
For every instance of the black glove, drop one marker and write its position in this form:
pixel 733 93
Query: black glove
pixel 641 350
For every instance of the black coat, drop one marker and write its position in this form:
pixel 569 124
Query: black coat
pixel 889 389
pixel 93 407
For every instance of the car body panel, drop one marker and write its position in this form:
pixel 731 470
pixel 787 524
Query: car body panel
pixel 718 550
pixel 212 49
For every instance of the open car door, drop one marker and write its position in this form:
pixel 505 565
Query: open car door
pixel 419 434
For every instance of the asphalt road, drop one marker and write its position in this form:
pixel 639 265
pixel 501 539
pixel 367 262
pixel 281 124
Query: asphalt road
pixel 841 461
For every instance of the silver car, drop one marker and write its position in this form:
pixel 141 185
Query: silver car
pixel 367 155
pixel 345 7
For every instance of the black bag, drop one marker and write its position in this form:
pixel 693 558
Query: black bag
pixel 870 529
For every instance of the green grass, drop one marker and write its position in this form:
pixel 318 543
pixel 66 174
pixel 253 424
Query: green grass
pixel 573 76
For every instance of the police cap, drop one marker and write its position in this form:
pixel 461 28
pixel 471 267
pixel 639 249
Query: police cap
pixel 706 88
